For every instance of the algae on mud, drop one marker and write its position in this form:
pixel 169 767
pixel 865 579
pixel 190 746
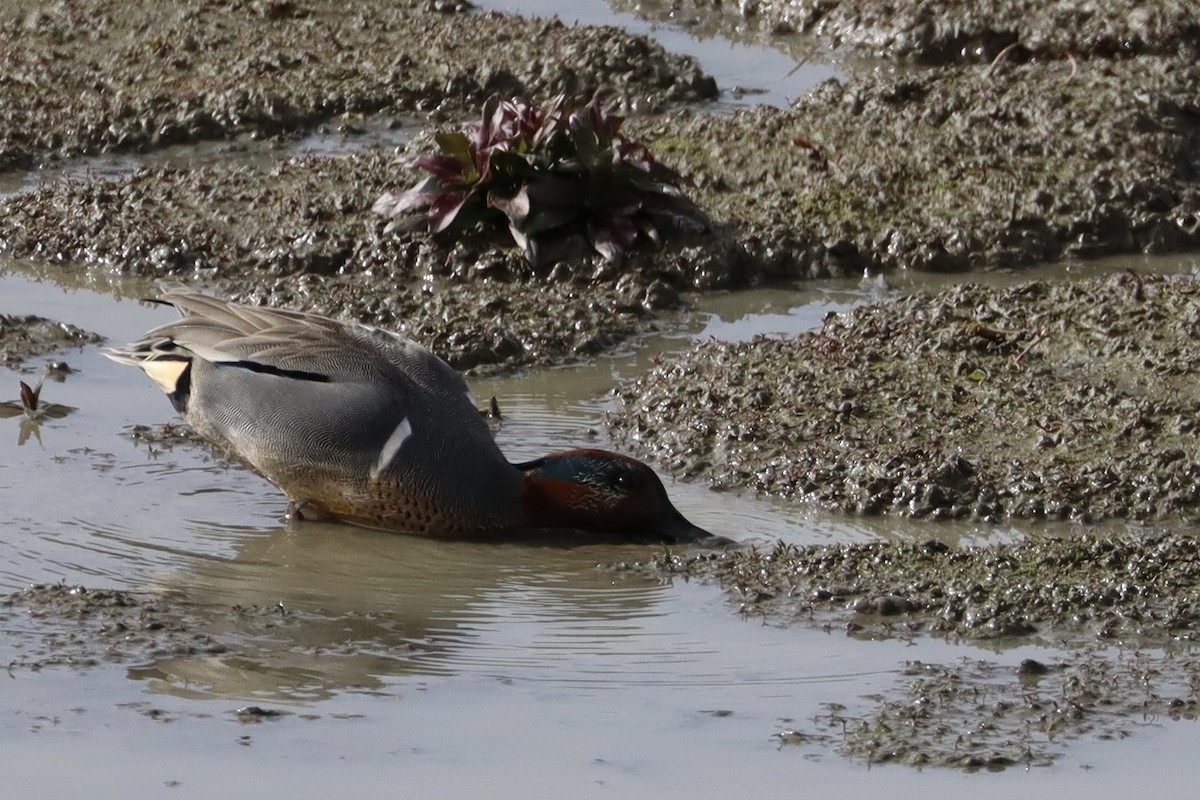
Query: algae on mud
pixel 23 337
pixel 1063 401
pixel 944 31
pixel 101 75
pixel 954 169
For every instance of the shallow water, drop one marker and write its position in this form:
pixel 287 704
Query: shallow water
pixel 514 670
pixel 257 153
pixel 747 72
pixel 526 670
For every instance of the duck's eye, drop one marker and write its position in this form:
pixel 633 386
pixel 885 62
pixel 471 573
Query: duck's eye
pixel 625 481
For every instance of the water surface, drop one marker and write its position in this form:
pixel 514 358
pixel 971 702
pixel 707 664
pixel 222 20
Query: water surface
pixel 435 670
pixel 521 670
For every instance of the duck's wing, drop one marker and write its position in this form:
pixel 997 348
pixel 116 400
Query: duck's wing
pixel 280 341
pixel 224 332
pixel 241 373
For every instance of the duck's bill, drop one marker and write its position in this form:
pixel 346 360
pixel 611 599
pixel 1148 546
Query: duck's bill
pixel 674 527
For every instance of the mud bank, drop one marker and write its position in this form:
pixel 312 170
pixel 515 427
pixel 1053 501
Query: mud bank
pixel 24 337
pixel 1064 401
pixel 1118 607
pixel 301 234
pixel 978 715
pixel 956 169
pixel 948 170
pixel 1138 587
pixel 947 31
pixel 100 75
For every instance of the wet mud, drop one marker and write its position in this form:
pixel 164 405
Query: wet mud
pixel 58 625
pixel 946 170
pixel 1136 588
pixel 1118 609
pixel 956 169
pixel 1060 401
pixel 156 632
pixel 23 337
pixel 953 31
pixel 301 234
pixel 100 75
pixel 977 715
pixel 1062 136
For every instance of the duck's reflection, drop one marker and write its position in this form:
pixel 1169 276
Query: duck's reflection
pixel 316 609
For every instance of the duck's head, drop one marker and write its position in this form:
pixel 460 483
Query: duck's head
pixel 606 493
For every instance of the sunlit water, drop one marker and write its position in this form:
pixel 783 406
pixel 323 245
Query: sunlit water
pixel 746 73
pixel 520 670
pixel 417 668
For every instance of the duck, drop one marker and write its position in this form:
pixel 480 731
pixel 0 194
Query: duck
pixel 362 425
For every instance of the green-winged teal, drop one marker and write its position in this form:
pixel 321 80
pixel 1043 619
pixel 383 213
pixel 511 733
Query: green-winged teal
pixel 363 425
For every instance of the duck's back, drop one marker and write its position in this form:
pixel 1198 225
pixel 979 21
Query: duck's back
pixel 368 426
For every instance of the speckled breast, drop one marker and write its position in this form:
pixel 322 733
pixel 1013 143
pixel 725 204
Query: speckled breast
pixel 395 506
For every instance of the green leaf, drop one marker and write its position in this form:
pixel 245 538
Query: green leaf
pixel 456 145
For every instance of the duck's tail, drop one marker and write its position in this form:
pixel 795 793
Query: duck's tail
pixel 167 364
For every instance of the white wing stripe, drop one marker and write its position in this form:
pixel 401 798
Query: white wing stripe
pixel 392 446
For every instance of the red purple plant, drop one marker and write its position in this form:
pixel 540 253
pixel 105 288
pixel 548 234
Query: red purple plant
pixel 562 178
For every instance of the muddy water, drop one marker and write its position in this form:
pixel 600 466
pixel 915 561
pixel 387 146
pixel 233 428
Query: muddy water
pixel 746 73
pixel 515 670
pixel 323 142
pixel 524 670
